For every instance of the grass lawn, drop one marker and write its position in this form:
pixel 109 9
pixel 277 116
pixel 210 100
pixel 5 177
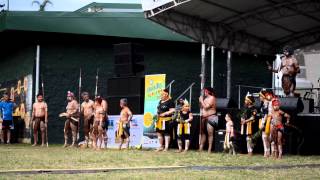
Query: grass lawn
pixel 25 157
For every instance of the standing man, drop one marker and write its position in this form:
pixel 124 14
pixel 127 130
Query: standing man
pixel 99 124
pixel 72 115
pixel 87 110
pixel 289 68
pixel 209 119
pixel 39 119
pixel 124 123
pixel 6 107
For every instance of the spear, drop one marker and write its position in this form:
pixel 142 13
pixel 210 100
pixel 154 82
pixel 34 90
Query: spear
pixel 97 80
pixel 42 89
pixel 79 109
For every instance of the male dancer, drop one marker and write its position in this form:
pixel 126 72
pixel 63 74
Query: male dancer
pixel 289 68
pixel 39 119
pixel 209 119
pixel 87 112
pixel 99 124
pixel 124 123
pixel 72 115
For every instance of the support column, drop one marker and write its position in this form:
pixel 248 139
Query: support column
pixel 212 66
pixel 37 71
pixel 229 68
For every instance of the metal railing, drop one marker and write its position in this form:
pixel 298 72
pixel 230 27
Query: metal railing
pixel 169 86
pixel 184 92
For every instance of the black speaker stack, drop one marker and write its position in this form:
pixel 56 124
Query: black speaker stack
pixel 128 60
pixel 128 80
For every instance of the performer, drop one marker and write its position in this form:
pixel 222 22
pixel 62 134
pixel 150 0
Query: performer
pixel 184 118
pixel 164 122
pixel 87 110
pixel 247 118
pixel 209 119
pixel 228 144
pixel 123 131
pixel 264 125
pixel 277 129
pixel 99 124
pixel 72 115
pixel 39 119
pixel 7 107
pixel 289 68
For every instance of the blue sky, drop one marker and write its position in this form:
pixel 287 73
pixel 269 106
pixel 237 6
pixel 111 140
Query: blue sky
pixel 58 5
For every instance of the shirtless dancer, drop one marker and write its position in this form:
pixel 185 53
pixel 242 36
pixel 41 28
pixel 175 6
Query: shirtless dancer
pixel 39 119
pixel 124 123
pixel 99 124
pixel 209 117
pixel 87 112
pixel 72 115
pixel 289 68
pixel 277 128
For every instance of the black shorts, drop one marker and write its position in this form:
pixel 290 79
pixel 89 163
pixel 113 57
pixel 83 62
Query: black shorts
pixel 126 129
pixel 213 120
pixel 7 124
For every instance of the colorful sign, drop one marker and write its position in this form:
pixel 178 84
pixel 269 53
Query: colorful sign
pixel 153 87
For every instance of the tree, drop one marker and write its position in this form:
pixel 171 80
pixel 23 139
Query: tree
pixel 42 6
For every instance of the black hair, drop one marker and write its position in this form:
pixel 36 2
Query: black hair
pixel 211 91
pixel 288 49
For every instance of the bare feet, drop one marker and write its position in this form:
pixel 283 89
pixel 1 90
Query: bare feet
pixel 65 145
pixel 159 149
pixel 34 145
pixel 178 151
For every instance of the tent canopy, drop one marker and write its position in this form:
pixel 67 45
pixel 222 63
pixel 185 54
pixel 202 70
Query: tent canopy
pixel 249 26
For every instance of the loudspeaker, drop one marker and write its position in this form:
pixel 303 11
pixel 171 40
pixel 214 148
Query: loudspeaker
pixel 124 86
pixel 291 104
pixel 219 140
pixel 128 59
pixel 135 103
pixel 225 103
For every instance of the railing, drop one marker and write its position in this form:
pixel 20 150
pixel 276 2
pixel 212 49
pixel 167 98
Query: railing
pixel 169 86
pixel 184 92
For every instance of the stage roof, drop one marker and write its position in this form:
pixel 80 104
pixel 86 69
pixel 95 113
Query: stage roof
pixel 250 26
pixel 116 23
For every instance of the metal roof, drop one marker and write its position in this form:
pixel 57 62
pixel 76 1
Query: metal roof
pixel 116 24
pixel 111 7
pixel 251 26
